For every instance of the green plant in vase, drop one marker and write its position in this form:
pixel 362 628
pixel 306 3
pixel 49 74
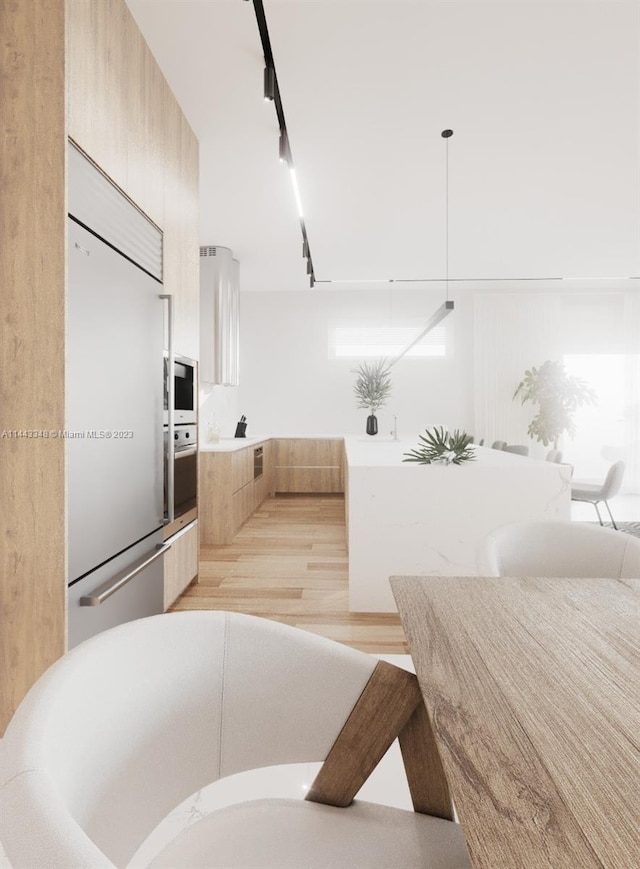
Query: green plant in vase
pixel 372 389
pixel 438 447
pixel 558 395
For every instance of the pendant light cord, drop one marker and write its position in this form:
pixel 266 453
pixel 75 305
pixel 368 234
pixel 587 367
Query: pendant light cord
pixel 446 135
pixel 447 220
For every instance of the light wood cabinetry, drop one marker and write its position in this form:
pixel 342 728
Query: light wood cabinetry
pixel 228 492
pixel 116 105
pixel 263 486
pixel 32 331
pixel 125 117
pixel 180 563
pixel 309 465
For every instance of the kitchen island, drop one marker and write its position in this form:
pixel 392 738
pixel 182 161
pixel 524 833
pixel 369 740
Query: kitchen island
pixel 409 519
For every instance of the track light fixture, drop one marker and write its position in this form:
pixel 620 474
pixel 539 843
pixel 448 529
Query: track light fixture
pixel 309 266
pixel 312 281
pixel 305 248
pixel 269 83
pixel 283 147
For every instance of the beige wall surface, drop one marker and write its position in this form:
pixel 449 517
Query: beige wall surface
pixel 120 110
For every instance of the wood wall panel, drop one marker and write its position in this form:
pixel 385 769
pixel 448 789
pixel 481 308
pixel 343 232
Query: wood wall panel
pixel 32 300
pixel 99 72
pixel 181 250
pixel 120 110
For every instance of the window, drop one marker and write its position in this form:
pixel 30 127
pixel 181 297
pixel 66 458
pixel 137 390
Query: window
pixel 364 342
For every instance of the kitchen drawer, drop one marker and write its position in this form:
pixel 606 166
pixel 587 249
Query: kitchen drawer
pixel 309 465
pixel 141 596
pixel 180 563
pixel 308 452
pixel 242 505
pixel 241 468
pixel 309 480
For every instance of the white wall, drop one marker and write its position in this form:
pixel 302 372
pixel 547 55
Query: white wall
pixel 289 385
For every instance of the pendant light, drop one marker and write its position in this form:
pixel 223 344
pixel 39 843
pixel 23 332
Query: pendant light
pixel 447 306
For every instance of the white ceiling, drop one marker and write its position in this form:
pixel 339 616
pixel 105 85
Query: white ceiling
pixel 543 98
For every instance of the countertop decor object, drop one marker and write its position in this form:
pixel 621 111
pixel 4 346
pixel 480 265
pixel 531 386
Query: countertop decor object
pixel 438 447
pixel 372 389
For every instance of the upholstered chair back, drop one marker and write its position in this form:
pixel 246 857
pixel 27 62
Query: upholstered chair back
pixel 563 549
pixel 133 721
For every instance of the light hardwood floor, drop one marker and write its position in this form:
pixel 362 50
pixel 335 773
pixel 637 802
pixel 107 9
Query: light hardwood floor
pixel 289 563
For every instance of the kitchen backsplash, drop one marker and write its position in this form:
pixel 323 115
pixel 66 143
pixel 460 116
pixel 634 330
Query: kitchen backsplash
pixel 218 407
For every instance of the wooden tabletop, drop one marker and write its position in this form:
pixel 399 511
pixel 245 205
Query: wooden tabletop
pixel 532 688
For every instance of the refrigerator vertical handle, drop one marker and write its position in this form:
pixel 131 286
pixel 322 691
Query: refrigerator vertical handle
pixel 171 402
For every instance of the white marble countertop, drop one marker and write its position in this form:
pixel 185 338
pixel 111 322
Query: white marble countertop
pixel 226 445
pixel 374 452
pixel 230 445
pixel 407 519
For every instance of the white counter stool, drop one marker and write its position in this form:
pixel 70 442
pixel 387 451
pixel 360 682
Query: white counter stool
pixel 563 549
pixel 130 723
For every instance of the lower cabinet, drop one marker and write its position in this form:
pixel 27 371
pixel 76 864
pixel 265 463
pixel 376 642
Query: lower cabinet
pixel 309 465
pixel 229 490
pixel 180 563
pixel 231 487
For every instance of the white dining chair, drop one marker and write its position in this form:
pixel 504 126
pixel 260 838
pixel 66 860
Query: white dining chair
pixel 595 493
pixel 563 549
pixel 135 720
pixel 498 445
pixel 518 449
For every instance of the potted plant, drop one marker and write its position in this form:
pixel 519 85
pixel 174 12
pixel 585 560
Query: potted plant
pixel 439 447
pixel 372 388
pixel 558 395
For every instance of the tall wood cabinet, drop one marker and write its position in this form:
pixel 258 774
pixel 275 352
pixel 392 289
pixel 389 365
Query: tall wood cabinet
pixel 115 104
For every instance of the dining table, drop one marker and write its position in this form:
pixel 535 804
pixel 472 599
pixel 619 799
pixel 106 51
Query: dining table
pixel 532 690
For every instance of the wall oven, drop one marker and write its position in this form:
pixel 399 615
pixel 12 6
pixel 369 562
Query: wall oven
pixel 183 453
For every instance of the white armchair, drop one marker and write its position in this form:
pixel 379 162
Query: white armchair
pixel 133 721
pixel 564 549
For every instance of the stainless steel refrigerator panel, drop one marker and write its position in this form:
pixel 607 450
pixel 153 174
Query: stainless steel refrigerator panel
pixel 114 402
pixel 141 596
pixel 96 202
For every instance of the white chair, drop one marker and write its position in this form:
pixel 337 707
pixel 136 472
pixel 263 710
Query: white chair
pixel 135 720
pixel 594 493
pixel 498 445
pixel 518 449
pixel 573 549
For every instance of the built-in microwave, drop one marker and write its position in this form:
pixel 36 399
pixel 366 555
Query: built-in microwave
pixel 185 390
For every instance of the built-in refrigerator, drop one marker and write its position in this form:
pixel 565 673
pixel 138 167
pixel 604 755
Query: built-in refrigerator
pixel 116 310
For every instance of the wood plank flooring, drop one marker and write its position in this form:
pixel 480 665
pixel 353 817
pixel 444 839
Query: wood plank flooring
pixel 289 563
